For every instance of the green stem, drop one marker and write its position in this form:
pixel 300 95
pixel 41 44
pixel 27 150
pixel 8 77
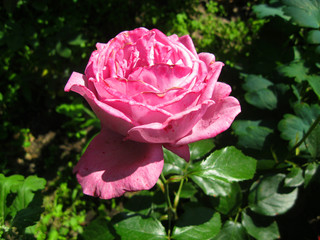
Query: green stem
pixel 170 209
pixel 313 126
pixel 177 197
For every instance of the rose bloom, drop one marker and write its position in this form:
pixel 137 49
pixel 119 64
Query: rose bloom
pixel 149 91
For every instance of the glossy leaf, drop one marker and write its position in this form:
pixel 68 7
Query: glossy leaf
pixel 138 227
pixel 313 37
pixel 260 228
pixel 251 134
pixel 228 164
pixel 267 198
pixel 293 127
pixel 197 223
pixel 98 229
pixel 213 187
pixel 264 10
pixel 311 173
pixel 229 204
pixel 294 178
pixel 258 92
pixel 188 190
pixel 306 13
pixel 200 148
pixel 173 164
pixel 232 231
pixel 314 82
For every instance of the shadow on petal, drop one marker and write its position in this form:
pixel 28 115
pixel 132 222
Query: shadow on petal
pixel 110 166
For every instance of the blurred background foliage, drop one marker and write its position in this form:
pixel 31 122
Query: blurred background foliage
pixel 271 51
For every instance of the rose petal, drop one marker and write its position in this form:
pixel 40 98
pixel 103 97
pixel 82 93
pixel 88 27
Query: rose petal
pixel 108 115
pixel 220 91
pixel 110 166
pixel 214 70
pixel 188 43
pixel 162 76
pixel 181 150
pixel 139 113
pixel 180 51
pixel 174 128
pixel 180 103
pixel 173 82
pixel 217 119
pixel 208 58
pixel 119 88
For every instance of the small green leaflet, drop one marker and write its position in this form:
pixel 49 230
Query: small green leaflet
pixel 266 197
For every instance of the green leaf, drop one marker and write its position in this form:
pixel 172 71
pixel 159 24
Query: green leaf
pixel 264 10
pixel 306 13
pixel 311 173
pixel 26 191
pixel 255 83
pixel 24 207
pixel 173 164
pixel 200 148
pixel 265 164
pixel 232 231
pixel 294 178
pixel 29 215
pixel 98 229
pixel 267 196
pixel 258 92
pixel 138 227
pixel 145 202
pixel 8 185
pixel 63 51
pixel 295 69
pixel 197 223
pixel 78 41
pixel 293 127
pixel 213 187
pixel 229 204
pixel 260 228
pixel 313 37
pixel 314 82
pixel 188 190
pixel 228 164
pixel 251 134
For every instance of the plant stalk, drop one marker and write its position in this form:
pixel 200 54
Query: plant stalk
pixel 170 208
pixel 313 126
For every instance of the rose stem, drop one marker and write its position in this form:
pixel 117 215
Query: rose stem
pixel 170 208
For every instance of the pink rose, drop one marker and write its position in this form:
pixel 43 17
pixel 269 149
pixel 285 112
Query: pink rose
pixel 149 91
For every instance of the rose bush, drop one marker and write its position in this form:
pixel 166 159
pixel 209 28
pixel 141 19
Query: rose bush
pixel 149 91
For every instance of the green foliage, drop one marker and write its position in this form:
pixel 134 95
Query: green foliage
pixel 211 30
pixel 138 227
pixel 20 204
pixel 63 215
pixel 248 183
pixel 233 231
pixel 267 196
pixel 146 211
pixel 97 230
pixel 227 164
pixel 197 223
pixel 265 229
pixel 305 13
